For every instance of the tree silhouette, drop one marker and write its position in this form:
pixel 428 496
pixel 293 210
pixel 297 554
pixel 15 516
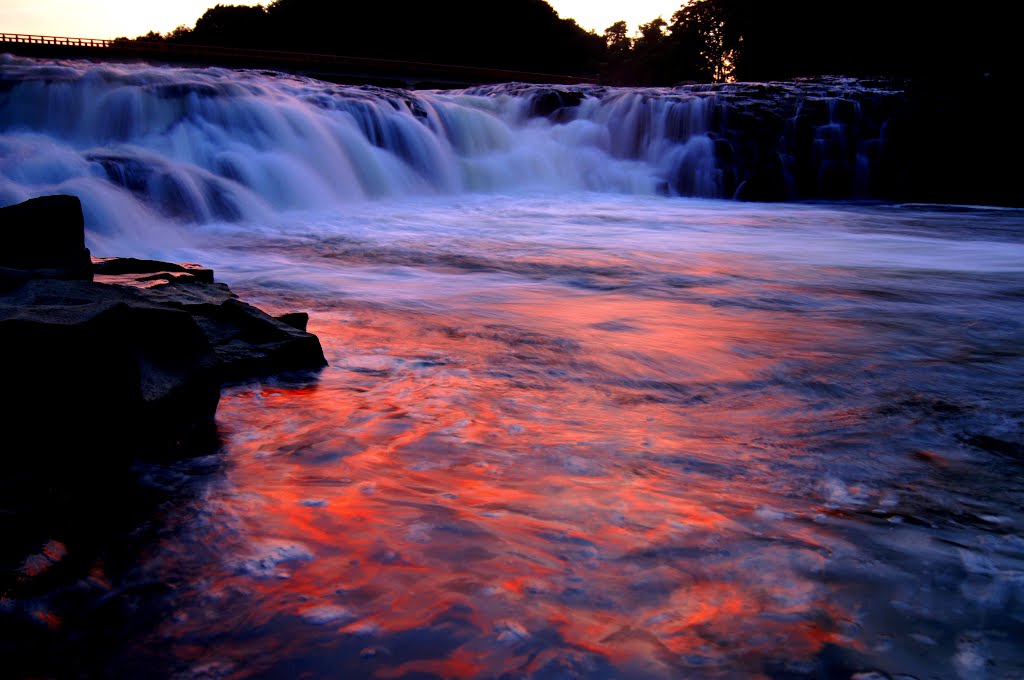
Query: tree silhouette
pixel 651 34
pixel 704 26
pixel 616 37
pixel 492 34
pixel 705 40
pixel 233 26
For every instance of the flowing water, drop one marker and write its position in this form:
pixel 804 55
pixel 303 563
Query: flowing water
pixel 574 425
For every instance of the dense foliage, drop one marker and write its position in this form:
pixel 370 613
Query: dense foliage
pixel 757 40
pixel 704 41
pixel 513 34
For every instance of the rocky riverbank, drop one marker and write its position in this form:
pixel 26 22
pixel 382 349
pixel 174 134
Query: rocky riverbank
pixel 107 362
pixel 127 350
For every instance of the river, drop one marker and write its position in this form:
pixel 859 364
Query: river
pixel 574 425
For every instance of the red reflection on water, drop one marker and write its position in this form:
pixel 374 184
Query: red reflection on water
pixel 557 476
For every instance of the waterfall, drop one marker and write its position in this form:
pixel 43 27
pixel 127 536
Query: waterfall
pixel 139 143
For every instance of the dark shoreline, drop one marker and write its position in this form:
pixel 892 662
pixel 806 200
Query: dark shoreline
pixel 113 364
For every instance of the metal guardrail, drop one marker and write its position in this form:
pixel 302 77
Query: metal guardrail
pixel 213 52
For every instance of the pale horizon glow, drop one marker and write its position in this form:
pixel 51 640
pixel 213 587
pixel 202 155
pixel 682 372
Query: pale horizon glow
pixel 132 18
pixel 600 15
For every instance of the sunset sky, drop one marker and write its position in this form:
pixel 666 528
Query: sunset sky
pixel 112 18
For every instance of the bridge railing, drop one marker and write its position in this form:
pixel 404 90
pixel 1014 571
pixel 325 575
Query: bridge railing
pixel 168 49
pixel 26 39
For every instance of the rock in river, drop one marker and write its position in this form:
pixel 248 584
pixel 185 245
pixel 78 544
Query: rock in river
pixel 99 373
pixel 43 237
pixel 140 352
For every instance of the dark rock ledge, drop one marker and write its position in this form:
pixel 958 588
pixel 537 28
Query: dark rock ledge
pixel 111 370
pixel 122 351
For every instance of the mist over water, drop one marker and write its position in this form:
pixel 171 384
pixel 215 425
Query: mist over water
pixel 574 425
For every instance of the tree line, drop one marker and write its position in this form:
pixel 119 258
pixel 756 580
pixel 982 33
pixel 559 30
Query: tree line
pixel 755 40
pixel 525 35
pixel 703 41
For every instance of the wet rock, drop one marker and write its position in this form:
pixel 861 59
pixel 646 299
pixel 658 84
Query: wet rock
pixel 152 269
pixel 44 236
pixel 297 320
pixel 248 342
pixel 124 362
pixel 549 101
pixel 132 358
pixel 84 357
pixel 767 182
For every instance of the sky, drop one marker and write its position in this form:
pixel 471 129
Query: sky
pixel 131 18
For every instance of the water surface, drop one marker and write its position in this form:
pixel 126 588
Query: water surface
pixel 593 436
pixel 574 425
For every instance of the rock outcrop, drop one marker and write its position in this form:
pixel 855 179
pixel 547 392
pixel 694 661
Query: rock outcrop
pixel 104 378
pixel 133 358
pixel 82 357
pixel 43 237
pixel 150 270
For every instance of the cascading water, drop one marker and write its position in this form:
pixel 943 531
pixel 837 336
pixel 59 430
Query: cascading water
pixel 201 145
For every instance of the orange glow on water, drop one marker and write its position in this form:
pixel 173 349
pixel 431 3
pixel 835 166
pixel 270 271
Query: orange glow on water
pixel 596 486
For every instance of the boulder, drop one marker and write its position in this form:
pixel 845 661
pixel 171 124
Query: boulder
pixel 44 236
pixel 548 101
pixel 97 375
pixel 297 320
pixel 135 357
pixel 122 361
pixel 248 342
pixel 83 358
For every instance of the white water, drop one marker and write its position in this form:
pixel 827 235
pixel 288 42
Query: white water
pixel 142 145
